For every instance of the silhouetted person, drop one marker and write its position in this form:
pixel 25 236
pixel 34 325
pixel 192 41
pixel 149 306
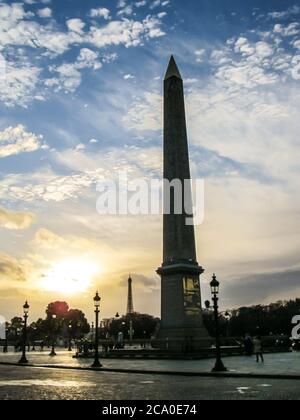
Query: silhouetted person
pixel 248 344
pixel 258 349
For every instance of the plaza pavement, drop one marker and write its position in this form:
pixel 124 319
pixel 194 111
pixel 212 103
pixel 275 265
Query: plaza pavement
pixel 17 382
pixel 31 383
pixel 275 364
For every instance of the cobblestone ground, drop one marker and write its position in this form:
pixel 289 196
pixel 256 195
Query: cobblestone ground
pixel 22 383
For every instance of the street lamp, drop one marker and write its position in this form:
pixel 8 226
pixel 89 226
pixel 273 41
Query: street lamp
pixel 97 300
pixel 52 353
pixel 70 337
pixel 23 359
pixel 214 285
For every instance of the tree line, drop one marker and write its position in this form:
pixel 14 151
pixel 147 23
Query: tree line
pixel 273 319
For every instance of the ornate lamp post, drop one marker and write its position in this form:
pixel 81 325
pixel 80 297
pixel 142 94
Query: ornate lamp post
pixel 97 300
pixel 214 285
pixel 23 359
pixel 70 336
pixel 52 353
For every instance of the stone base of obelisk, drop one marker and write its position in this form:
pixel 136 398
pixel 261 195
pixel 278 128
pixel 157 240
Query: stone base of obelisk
pixel 184 340
pixel 182 328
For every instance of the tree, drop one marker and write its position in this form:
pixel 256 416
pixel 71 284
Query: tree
pixel 143 325
pixel 77 324
pixel 14 329
pixel 59 309
pixel 273 319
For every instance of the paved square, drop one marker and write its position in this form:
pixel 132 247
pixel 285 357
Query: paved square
pixel 42 383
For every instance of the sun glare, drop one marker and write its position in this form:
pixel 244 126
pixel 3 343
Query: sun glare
pixel 69 276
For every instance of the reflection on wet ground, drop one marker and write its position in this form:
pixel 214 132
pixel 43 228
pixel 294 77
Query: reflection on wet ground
pixel 42 383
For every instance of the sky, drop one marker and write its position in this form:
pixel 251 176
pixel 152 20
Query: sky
pixel 81 99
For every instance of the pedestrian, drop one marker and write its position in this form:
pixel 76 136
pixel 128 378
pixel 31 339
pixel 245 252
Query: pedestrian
pixel 248 345
pixel 258 349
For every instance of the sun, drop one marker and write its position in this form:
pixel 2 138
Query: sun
pixel 69 276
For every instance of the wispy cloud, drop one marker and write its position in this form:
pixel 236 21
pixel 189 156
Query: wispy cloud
pixel 20 30
pixel 10 269
pixel 15 220
pixel 15 140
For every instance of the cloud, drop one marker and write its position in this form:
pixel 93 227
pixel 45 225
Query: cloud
pixel 75 25
pixel 128 77
pixel 294 10
pixel 48 239
pixel 100 12
pixel 142 281
pixel 11 269
pixel 46 186
pixel 289 30
pixel 145 113
pixel 157 3
pixel 19 84
pixel 200 55
pixel 128 10
pixel 69 74
pixel 127 32
pixel 15 220
pixel 140 3
pixel 17 29
pixel 45 13
pixel 15 140
pixel 29 40
pixel 262 287
pixel 88 59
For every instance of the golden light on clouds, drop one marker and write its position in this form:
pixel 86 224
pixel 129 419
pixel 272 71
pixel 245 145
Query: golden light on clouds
pixel 70 276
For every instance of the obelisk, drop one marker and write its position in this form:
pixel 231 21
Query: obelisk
pixel 181 312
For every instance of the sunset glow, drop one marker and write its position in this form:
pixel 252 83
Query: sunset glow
pixel 69 276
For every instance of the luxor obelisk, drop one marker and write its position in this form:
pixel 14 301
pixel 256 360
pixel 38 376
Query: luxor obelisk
pixel 181 313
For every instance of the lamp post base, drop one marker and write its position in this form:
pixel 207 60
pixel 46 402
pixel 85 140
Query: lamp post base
pixel 219 367
pixel 23 361
pixel 52 354
pixel 96 364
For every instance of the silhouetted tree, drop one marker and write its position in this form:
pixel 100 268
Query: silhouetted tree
pixel 143 325
pixel 59 309
pixel 76 324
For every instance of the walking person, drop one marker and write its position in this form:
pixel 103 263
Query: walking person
pixel 248 345
pixel 258 349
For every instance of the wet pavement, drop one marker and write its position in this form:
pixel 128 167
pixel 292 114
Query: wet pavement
pixel 35 383
pixel 281 363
